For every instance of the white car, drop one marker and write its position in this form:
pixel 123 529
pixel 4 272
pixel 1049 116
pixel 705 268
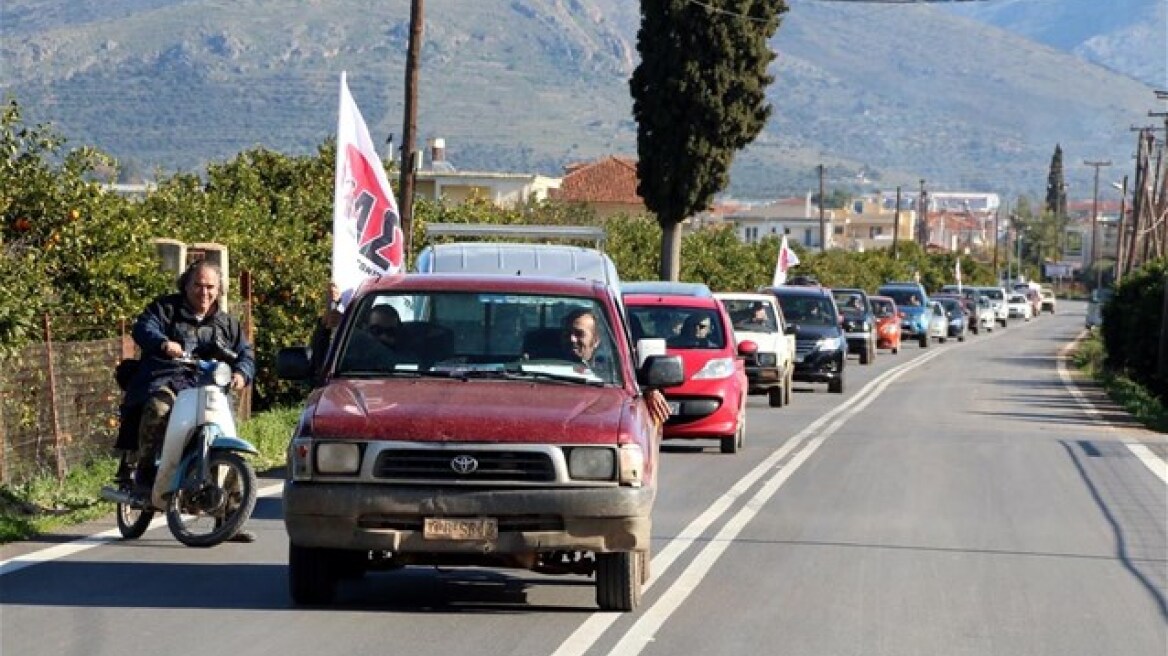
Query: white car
pixel 1049 302
pixel 938 322
pixel 984 317
pixel 1019 307
pixel 759 318
pixel 997 296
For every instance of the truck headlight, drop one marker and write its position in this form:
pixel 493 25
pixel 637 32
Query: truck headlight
pixel 592 464
pixel 338 458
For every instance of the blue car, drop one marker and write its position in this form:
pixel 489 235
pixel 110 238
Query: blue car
pixel 912 301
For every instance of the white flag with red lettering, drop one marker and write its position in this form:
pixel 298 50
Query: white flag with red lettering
pixel 367 235
pixel 785 261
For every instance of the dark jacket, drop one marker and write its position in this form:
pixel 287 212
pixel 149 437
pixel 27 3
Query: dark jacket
pixel 169 318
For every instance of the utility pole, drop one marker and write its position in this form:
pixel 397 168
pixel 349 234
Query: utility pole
pixel 997 238
pixel 822 217
pixel 896 223
pixel 410 124
pixel 1121 254
pixel 923 216
pixel 1096 251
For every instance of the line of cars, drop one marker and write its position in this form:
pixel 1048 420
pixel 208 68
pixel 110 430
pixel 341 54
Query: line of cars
pixel 488 437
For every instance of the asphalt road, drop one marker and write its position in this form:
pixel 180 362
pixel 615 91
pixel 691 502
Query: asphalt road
pixel 960 499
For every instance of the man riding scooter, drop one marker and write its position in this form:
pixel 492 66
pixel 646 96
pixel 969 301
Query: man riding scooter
pixel 188 322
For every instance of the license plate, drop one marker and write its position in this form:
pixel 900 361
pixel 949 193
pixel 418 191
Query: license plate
pixel 675 407
pixel 460 529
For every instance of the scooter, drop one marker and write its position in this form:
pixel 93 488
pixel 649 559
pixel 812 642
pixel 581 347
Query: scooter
pixel 203 482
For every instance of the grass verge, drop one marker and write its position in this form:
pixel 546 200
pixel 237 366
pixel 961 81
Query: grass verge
pixel 1145 407
pixel 43 504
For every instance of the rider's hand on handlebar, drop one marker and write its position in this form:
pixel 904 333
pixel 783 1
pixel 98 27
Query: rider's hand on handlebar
pixel 172 350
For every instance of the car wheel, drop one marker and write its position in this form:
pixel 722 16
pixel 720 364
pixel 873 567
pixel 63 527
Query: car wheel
pixel 865 356
pixel 775 396
pixel 923 342
pixel 836 386
pixel 961 338
pixel 734 443
pixel 788 386
pixel 941 339
pixel 896 349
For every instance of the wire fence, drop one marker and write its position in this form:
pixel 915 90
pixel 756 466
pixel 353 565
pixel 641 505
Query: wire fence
pixel 59 401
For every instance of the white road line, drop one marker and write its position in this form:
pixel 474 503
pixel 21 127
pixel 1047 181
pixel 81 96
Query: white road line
pixel 589 633
pixel 17 563
pixel 1150 460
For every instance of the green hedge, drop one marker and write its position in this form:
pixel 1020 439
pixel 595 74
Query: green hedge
pixel 1131 327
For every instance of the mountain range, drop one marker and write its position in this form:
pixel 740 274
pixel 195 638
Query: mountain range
pixel 964 95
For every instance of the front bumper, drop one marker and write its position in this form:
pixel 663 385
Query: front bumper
pixel 858 342
pixel 363 516
pixel 701 417
pixel 820 367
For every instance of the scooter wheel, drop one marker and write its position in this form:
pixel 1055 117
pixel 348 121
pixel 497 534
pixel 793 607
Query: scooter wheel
pixel 218 510
pixel 133 522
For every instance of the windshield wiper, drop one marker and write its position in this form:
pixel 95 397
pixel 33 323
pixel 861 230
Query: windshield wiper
pixel 365 373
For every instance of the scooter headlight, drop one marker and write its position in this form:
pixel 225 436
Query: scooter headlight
pixel 221 374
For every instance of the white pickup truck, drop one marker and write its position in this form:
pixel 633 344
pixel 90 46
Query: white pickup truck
pixel 758 318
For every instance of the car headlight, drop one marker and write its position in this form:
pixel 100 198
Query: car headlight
pixel 715 369
pixel 829 344
pixel 591 463
pixel 338 458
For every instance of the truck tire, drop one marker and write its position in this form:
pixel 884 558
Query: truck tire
pixel 836 386
pixel 923 341
pixel 618 581
pixel 312 575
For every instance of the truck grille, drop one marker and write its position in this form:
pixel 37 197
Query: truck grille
pixel 467 465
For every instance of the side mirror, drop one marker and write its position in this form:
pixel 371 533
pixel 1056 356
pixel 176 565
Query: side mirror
pixel 292 363
pixel 747 347
pixel 660 371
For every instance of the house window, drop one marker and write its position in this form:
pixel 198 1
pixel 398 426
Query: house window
pixel 837 230
pixel 875 231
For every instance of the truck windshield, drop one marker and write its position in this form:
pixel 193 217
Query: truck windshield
pixel 456 332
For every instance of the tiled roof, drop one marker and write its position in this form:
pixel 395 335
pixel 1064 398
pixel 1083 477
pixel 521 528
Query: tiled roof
pixel 612 179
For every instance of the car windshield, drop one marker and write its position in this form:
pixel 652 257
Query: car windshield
pixel 849 302
pixel 903 297
pixel 812 310
pixel 468 334
pixel 680 327
pixel 751 315
pixel 882 308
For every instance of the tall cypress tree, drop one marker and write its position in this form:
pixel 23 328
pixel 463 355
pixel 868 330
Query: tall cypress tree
pixel 699 96
pixel 1056 198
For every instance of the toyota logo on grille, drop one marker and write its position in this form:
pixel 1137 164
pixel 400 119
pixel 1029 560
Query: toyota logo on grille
pixel 464 464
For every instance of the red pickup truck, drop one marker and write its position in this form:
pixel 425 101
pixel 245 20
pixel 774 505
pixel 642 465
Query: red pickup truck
pixel 458 422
